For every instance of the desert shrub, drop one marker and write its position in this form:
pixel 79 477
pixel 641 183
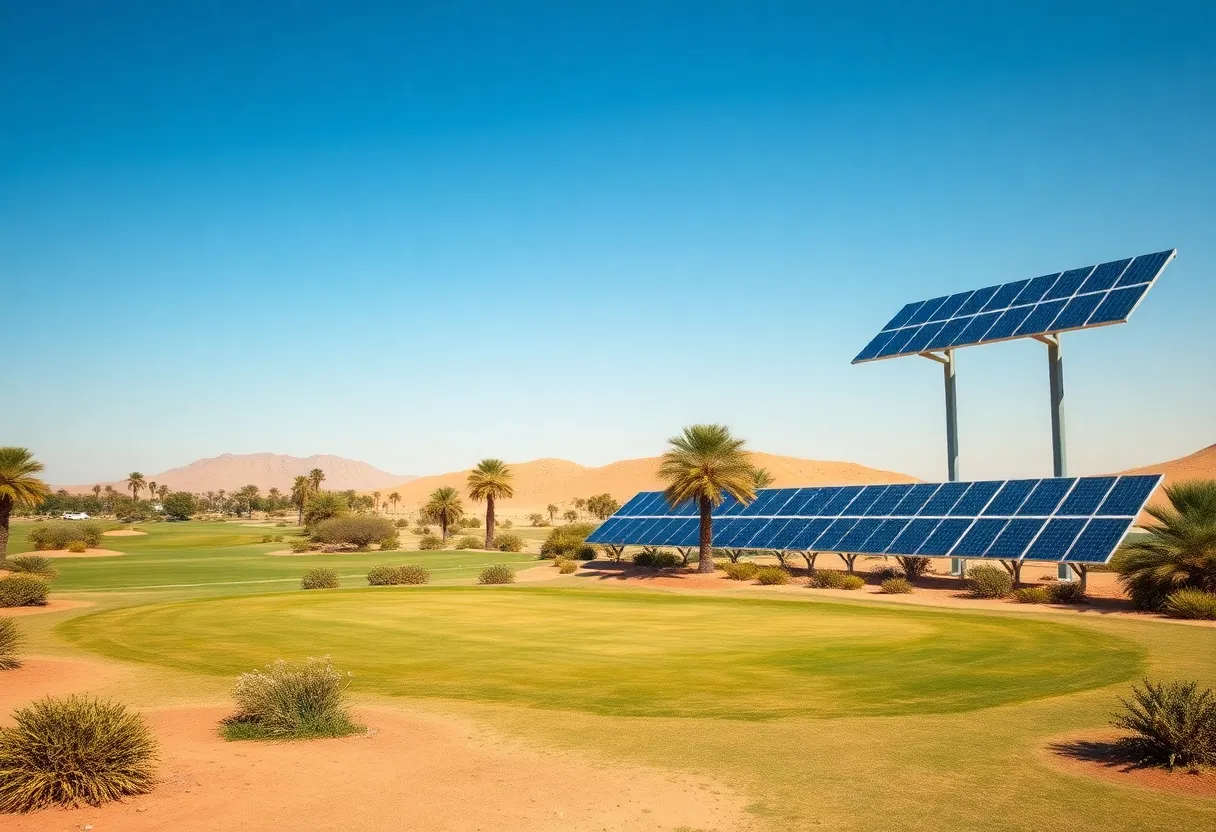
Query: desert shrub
pixel 509 543
pixel 1173 724
pixel 913 567
pixel 299 544
pixel 361 530
pixel 504 524
pixel 402 523
pixel 32 565
pixel 320 579
pixel 422 531
pixel 60 535
pixel 469 542
pixel 896 586
pixel 412 573
pixel 267 538
pixel 587 551
pixel 78 547
pixel 989 582
pixel 71 751
pixel 10 640
pixel 499 573
pixel 291 700
pixel 430 541
pixel 743 570
pixel 382 575
pixel 566 540
pixel 1032 595
pixel 772 575
pixel 280 525
pixel 1191 603
pixel 568 567
pixel 1066 592
pixel 885 573
pixel 324 505
pixel 22 591
pixel 469 523
pixel 652 558
pixel 828 579
pixel 385 575
pixel 852 582
pixel 390 543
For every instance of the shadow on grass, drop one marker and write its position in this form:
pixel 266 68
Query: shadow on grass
pixel 1112 754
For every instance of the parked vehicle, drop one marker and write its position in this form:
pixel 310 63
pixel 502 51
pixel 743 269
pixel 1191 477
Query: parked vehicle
pixel 76 515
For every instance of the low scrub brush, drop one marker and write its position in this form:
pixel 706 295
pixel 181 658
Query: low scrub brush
pixel 1066 592
pixel 291 700
pixel 509 543
pixel 299 545
pixel 10 642
pixel 1191 603
pixel 567 567
pixel 499 573
pixel 652 558
pixel 22 591
pixel 743 570
pixel 989 582
pixel 1173 724
pixel 320 579
pixel 468 541
pixel 73 751
pixel 895 586
pixel 37 565
pixel 772 576
pixel 1032 595
pixel 829 579
pixel 430 541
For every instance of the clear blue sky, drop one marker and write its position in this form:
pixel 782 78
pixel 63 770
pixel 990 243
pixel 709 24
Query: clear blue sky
pixel 419 234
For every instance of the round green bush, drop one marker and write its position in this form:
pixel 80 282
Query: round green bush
pixel 829 579
pixel 499 573
pixel 652 558
pixel 566 540
pixel 852 582
pixel 320 579
pixel 743 570
pixel 360 530
pixel 772 576
pixel 78 547
pixel 382 575
pixel 72 751
pixel 412 573
pixel 567 567
pixel 895 586
pixel 430 541
pixel 1032 595
pixel 22 591
pixel 989 582
pixel 1066 592
pixel 468 541
pixel 10 641
pixel 509 543
pixel 1191 603
pixel 299 544
pixel 390 543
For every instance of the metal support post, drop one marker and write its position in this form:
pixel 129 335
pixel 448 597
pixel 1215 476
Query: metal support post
pixel 1059 463
pixel 958 566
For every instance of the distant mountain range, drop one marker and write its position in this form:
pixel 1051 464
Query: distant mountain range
pixel 1200 465
pixel 231 471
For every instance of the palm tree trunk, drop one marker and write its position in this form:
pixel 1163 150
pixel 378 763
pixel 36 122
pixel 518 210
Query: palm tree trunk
pixel 6 511
pixel 300 516
pixel 490 522
pixel 706 563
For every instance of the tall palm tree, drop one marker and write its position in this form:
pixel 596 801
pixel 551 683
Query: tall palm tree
pixel 315 476
pixel 301 487
pixel 763 478
pixel 552 510
pixel 152 490
pixel 135 482
pixel 445 508
pixel 394 498
pixel 375 501
pixel 18 487
pixel 705 463
pixel 1180 550
pixel 97 491
pixel 490 481
pixel 162 491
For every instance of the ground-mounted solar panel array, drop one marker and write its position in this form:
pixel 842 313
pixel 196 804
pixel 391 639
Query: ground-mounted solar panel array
pixel 1070 519
pixel 1076 299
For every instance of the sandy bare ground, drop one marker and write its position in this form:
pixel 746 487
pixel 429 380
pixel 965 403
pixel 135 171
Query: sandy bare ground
pixel 54 605
pixel 1095 755
pixel 412 771
pixel 123 533
pixel 87 553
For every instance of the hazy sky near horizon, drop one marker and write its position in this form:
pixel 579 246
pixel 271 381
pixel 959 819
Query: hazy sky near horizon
pixel 421 234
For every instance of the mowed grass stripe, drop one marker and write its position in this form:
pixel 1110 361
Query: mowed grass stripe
pixel 632 653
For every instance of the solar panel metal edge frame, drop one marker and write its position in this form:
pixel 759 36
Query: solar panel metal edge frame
pixel 1172 254
pixel 971 518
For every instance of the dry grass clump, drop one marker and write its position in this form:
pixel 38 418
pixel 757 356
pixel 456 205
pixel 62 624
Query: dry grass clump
pixel 320 579
pixel 72 751
pixel 1191 603
pixel 1032 595
pixel 567 567
pixel 468 541
pixel 743 570
pixel 291 700
pixel 772 576
pixel 1066 592
pixel 895 586
pixel 10 641
pixel 37 565
pixel 499 573
pixel 430 541
pixel 1173 724
pixel 22 591
pixel 832 579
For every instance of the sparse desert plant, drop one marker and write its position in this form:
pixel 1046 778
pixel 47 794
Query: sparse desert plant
pixel 22 591
pixel 320 579
pixel 73 751
pixel 78 547
pixel 1173 724
pixel 391 543
pixel 509 543
pixel 359 530
pixel 653 558
pixel 568 567
pixel 499 573
pixel 743 570
pixel 10 642
pixel 895 586
pixel 885 573
pixel 46 536
pixel 402 523
pixel 566 540
pixel 299 544
pixel 585 552
pixel 1191 603
pixel 827 579
pixel 772 576
pixel 266 538
pixel 468 541
pixel 989 582
pixel 291 700
pixel 385 575
pixel 32 565
pixel 430 541
pixel 421 531
pixel 1032 595
pixel 1066 592
pixel 852 582
pixel 412 573
pixel 913 567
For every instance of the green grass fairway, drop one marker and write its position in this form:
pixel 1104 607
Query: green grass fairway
pixel 632 654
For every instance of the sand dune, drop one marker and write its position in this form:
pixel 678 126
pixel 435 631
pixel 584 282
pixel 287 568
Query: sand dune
pixel 1200 465
pixel 558 481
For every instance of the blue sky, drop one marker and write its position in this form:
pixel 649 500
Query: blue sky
pixel 420 234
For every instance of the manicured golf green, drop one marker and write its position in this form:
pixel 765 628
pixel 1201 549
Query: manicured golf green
pixel 632 654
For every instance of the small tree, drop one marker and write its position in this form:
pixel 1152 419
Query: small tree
pixel 443 507
pixel 135 482
pixel 488 482
pixel 551 510
pixel 180 505
pixel 323 505
pixel 602 506
pixel 570 516
pixel 18 487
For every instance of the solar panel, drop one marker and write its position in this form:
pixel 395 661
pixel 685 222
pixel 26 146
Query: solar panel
pixel 1069 519
pixel 1076 299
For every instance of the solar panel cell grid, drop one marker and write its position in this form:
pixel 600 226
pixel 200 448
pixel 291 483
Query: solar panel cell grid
pixel 1104 276
pixel 1117 305
pixel 1086 496
pixel 978 538
pixel 974 500
pixel 1068 283
pixel 1046 496
pixel 1144 268
pixel 1056 538
pixel 1127 495
pixel 1010 497
pixel 1035 289
pixel 945 535
pixel 1013 540
pixel 1077 312
pixel 1004 296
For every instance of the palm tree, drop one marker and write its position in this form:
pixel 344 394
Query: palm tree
pixel 18 487
pixel 273 496
pixel 489 481
pixel 315 476
pixel 97 491
pixel 162 491
pixel 552 510
pixel 375 501
pixel 394 498
pixel 152 490
pixel 706 464
pixel 301 487
pixel 135 482
pixel 763 478
pixel 1180 551
pixel 445 508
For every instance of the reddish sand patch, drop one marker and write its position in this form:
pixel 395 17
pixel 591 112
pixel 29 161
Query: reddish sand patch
pixel 54 605
pixel 124 533
pixel 38 677
pixel 87 553
pixel 1096 755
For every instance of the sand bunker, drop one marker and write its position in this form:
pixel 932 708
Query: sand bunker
pixel 87 553
pixel 1096 755
pixel 38 677
pixel 124 533
pixel 54 605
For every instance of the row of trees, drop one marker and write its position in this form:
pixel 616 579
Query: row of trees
pixel 489 482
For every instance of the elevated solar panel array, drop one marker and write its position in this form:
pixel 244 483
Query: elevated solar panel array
pixel 1072 519
pixel 1076 299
